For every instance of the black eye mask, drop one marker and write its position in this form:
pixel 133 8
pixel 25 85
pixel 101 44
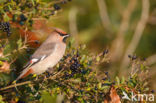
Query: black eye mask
pixel 61 34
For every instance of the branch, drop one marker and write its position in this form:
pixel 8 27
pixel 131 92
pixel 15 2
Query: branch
pixel 151 60
pixel 15 85
pixel 28 82
pixel 103 14
pixel 138 32
pixel 118 44
pixel 73 24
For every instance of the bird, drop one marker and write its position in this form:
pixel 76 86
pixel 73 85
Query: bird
pixel 47 55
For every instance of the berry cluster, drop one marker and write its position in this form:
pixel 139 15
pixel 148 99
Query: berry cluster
pixel 5 27
pixel 75 65
pixel 132 57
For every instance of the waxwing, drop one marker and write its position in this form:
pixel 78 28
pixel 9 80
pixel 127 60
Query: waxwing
pixel 47 55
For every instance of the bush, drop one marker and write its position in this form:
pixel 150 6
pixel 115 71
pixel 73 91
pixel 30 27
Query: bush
pixel 74 79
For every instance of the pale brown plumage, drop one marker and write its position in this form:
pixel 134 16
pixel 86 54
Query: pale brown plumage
pixel 47 55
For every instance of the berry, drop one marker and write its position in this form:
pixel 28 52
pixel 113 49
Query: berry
pixel 134 57
pixel 53 13
pixel 56 7
pixel 152 91
pixel 129 56
pixel 64 2
pixel 23 18
pixel 31 22
pixel 29 5
pixel 28 50
pixel 105 52
pixel 105 78
pixel 106 73
pixel 21 23
pixel 36 42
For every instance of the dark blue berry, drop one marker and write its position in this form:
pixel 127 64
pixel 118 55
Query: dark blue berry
pixel 105 52
pixel 21 23
pixel 134 57
pixel 23 18
pixel 56 7
pixel 129 56
pixel 36 41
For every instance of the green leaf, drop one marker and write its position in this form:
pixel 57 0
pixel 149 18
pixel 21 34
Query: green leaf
pixel 7 49
pixel 47 98
pixel 1 99
pixel 1 63
pixel 122 80
pixel 118 80
pixel 6 17
pixel 19 43
pixel 97 58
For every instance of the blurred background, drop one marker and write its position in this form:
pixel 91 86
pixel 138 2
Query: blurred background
pixel 126 28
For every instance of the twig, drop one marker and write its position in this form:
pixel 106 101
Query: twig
pixel 14 51
pixel 103 14
pixel 138 32
pixel 151 60
pixel 27 82
pixel 118 44
pixel 15 85
pixel 73 24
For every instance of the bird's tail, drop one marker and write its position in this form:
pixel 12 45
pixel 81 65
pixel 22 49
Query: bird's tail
pixel 25 73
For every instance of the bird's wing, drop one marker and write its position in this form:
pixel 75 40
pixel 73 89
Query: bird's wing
pixel 41 53
pixel 44 50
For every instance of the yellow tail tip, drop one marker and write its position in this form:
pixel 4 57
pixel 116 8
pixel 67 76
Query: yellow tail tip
pixel 34 75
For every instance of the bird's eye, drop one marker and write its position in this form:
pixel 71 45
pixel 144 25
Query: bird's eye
pixel 61 34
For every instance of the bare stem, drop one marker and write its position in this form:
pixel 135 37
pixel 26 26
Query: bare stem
pixel 73 24
pixel 138 32
pixel 15 85
pixel 151 60
pixel 118 44
pixel 103 14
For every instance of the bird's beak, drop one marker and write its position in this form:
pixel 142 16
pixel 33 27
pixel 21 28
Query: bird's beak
pixel 65 37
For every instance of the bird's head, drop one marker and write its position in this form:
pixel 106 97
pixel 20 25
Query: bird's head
pixel 61 34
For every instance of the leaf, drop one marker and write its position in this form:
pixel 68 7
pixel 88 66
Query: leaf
pixel 112 96
pixel 47 98
pixel 97 58
pixel 5 67
pixel 6 17
pixel 122 80
pixel 7 49
pixel 19 43
pixel 118 80
pixel 1 99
